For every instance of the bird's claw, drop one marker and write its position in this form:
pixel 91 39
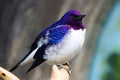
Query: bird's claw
pixel 66 66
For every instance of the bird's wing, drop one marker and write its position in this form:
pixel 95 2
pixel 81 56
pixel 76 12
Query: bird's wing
pixel 55 35
pixel 46 38
pixel 42 34
pixel 52 37
pixel 33 50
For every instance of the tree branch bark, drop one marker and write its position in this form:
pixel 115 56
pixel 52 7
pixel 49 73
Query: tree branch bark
pixel 6 75
pixel 60 74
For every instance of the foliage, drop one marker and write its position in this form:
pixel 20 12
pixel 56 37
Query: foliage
pixel 114 63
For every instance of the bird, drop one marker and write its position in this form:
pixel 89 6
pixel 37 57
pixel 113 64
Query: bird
pixel 57 44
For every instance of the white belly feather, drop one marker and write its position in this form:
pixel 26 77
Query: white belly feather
pixel 67 49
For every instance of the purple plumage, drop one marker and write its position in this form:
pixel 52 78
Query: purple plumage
pixel 58 43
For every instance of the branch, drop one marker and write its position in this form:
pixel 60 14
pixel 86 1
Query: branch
pixel 57 74
pixel 6 75
pixel 60 74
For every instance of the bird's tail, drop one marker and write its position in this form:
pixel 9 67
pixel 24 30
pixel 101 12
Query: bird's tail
pixel 22 62
pixel 27 59
pixel 17 65
pixel 35 64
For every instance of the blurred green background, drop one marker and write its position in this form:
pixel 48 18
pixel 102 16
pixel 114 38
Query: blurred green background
pixel 22 20
pixel 106 62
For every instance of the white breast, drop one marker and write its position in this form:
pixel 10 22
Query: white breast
pixel 67 49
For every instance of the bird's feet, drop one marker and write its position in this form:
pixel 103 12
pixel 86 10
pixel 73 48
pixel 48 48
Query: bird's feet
pixel 66 66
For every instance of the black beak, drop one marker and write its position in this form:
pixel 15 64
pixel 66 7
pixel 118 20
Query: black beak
pixel 81 17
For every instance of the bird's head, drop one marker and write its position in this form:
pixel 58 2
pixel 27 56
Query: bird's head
pixel 74 19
